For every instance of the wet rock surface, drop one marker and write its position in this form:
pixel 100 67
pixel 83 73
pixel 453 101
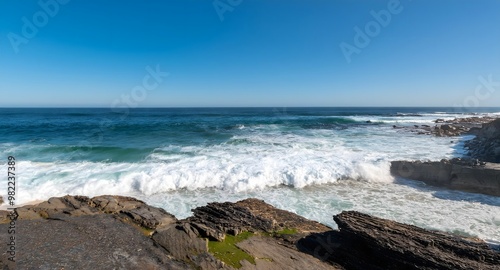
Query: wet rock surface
pixel 114 232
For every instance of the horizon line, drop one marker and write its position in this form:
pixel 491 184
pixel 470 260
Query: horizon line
pixel 236 107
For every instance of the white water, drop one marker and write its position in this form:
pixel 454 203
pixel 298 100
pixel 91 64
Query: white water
pixel 253 161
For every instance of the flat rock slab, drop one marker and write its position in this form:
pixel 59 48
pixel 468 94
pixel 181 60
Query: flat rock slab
pixel 86 242
pixel 270 255
pixel 483 179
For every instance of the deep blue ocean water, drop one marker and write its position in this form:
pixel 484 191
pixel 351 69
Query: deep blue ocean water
pixel 313 161
pixel 101 135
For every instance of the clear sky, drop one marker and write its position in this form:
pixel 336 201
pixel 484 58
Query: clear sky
pixel 249 52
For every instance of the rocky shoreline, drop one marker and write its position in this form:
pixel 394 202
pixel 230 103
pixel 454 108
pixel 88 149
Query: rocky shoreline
pixel 478 173
pixel 115 232
pixel 451 128
pixel 465 175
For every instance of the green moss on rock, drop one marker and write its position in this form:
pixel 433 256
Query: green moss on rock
pixel 228 252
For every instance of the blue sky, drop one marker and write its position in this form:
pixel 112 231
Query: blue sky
pixel 248 53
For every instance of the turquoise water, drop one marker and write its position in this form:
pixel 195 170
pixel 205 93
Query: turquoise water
pixel 313 161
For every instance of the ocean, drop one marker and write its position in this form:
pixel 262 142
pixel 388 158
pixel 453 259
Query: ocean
pixel 315 162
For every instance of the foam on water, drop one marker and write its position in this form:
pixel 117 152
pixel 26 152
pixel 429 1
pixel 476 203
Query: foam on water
pixel 255 159
pixel 245 162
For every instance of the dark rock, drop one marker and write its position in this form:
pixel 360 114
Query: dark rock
pixel 366 242
pixel 447 127
pixel 461 174
pixel 281 218
pixel 181 241
pixel 393 245
pixel 452 128
pixel 217 219
pixel 486 145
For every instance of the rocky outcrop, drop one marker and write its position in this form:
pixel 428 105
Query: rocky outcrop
pixel 366 242
pixel 85 242
pixel 459 126
pixel 450 128
pixel 182 241
pixel 114 232
pixel 480 173
pixel 77 232
pixel 465 175
pixel 127 209
pixel 486 145
pixel 217 219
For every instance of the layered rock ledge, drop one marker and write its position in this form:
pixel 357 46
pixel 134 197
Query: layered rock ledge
pixel 464 175
pixel 114 232
pixel 367 242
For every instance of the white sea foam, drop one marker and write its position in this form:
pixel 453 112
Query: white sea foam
pixel 246 162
